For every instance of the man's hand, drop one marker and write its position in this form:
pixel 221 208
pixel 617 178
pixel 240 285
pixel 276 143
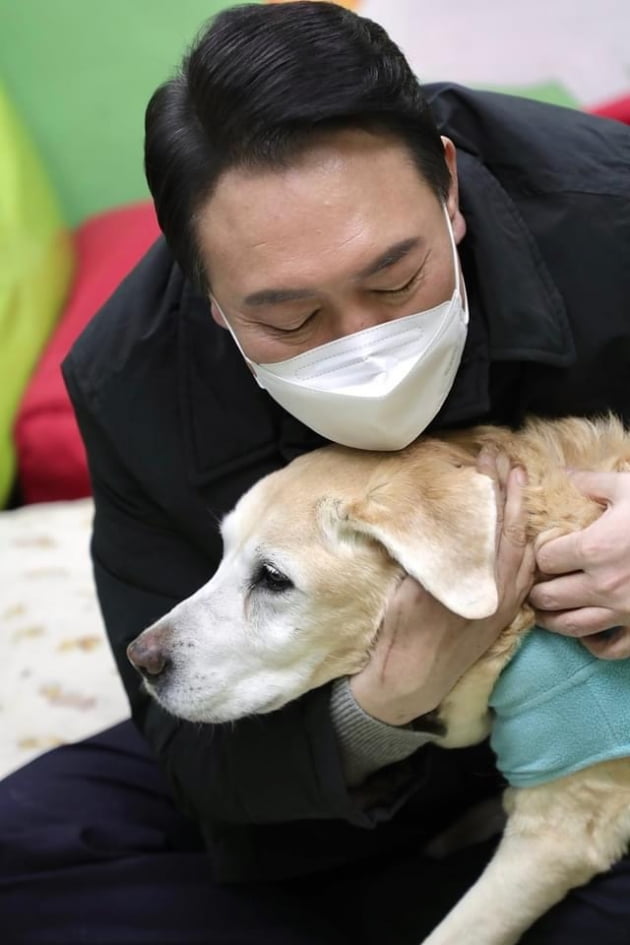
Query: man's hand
pixel 423 648
pixel 589 586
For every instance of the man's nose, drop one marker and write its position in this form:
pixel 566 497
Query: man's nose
pixel 147 654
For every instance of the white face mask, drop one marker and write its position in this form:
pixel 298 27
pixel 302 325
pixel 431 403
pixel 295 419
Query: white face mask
pixel 376 389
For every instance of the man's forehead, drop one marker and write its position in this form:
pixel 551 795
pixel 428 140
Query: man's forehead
pixel 257 218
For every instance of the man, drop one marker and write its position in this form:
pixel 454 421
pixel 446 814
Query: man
pixel 334 239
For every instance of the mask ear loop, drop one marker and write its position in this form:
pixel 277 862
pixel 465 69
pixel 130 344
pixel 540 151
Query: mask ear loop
pixel 248 361
pixel 459 279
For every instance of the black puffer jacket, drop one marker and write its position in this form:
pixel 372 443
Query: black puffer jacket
pixel 176 430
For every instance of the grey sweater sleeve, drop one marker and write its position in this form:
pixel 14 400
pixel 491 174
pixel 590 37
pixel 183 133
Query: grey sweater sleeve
pixel 367 744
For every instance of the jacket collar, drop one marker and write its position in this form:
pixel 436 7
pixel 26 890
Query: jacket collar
pixel 516 314
pixel 524 312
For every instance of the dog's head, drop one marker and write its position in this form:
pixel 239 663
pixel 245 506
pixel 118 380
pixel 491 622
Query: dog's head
pixel 312 554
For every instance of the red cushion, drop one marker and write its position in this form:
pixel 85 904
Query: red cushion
pixel 619 109
pixel 51 457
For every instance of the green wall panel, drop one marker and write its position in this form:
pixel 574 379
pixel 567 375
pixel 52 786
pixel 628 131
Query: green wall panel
pixel 80 73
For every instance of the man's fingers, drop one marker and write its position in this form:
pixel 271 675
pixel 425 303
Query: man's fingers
pixel 578 551
pixel 487 462
pixel 562 555
pixel 515 518
pixel 577 623
pixel 515 564
pixel 514 527
pixel 496 466
pixel 526 571
pixel 601 486
pixel 612 645
pixel 560 593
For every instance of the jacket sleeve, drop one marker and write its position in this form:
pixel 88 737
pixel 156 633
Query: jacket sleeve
pixel 276 768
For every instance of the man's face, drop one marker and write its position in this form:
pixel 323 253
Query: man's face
pixel 349 236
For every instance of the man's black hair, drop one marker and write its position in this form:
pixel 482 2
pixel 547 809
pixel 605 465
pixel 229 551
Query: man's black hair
pixel 258 84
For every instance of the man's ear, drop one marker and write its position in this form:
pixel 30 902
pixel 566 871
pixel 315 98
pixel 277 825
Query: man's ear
pixel 442 532
pixel 458 222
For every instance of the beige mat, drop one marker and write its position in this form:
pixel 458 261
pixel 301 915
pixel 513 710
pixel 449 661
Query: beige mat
pixel 58 682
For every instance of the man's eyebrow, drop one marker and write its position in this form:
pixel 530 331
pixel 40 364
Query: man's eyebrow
pixel 275 296
pixel 392 255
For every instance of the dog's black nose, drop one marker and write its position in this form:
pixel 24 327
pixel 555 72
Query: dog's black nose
pixel 147 655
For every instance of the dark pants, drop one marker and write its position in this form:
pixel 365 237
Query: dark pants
pixel 93 851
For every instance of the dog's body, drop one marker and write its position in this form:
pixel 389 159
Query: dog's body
pixel 312 555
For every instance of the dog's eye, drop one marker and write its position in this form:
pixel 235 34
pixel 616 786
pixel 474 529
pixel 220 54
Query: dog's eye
pixel 271 579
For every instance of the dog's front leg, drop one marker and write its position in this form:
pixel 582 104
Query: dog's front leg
pixel 558 836
pixel 517 887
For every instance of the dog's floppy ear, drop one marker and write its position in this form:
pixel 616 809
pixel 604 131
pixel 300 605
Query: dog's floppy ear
pixel 441 529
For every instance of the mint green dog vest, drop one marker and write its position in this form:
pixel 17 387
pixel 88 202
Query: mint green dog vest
pixel 558 709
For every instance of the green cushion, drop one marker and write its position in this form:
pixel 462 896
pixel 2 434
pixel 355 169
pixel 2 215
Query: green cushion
pixel 36 262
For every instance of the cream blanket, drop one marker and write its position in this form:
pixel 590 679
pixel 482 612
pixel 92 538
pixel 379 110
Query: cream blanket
pixel 58 681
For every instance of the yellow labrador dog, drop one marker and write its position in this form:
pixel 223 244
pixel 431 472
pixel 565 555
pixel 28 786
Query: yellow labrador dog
pixel 312 554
